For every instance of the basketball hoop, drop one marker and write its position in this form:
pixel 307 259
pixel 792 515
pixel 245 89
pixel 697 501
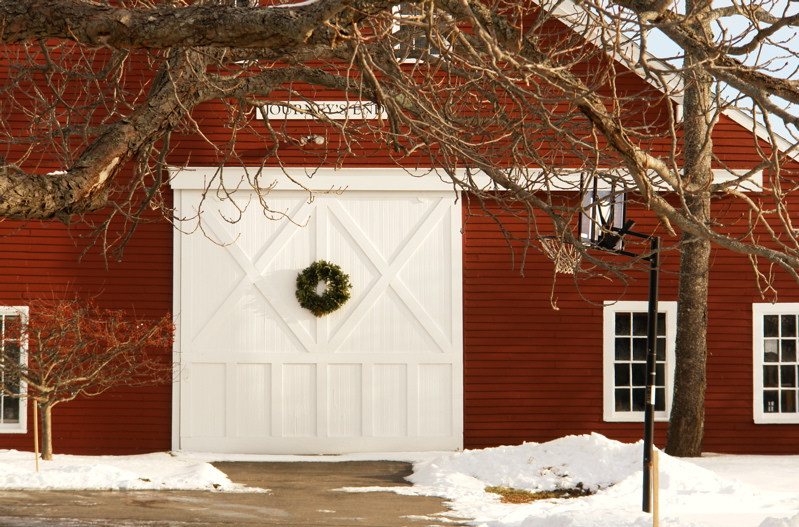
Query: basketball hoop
pixel 566 257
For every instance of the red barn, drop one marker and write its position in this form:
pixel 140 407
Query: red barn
pixel 452 338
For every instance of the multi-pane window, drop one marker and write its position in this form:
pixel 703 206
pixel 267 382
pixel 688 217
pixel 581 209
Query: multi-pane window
pixel 12 409
pixel 776 368
pixel 629 362
pixel 779 368
pixel 411 19
pixel 625 375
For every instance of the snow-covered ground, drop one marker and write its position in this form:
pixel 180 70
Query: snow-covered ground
pixel 714 491
pixel 145 472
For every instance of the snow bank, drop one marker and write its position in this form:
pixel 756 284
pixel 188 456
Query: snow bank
pixel 146 472
pixel 690 495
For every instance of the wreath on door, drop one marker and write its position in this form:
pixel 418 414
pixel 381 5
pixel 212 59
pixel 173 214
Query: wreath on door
pixel 336 294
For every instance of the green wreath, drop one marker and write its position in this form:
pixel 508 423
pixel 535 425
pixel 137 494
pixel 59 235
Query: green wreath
pixel 336 295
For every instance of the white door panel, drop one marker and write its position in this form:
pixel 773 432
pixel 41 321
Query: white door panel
pixel 263 375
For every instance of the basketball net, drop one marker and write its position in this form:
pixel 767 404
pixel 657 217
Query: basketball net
pixel 565 256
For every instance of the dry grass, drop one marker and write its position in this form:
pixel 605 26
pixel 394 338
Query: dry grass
pixel 509 495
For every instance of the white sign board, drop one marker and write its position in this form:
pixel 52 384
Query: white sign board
pixel 336 110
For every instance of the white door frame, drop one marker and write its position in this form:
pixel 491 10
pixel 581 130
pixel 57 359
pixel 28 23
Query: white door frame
pixel 387 180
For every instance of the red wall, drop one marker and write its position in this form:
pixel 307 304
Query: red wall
pixel 44 259
pixel 533 373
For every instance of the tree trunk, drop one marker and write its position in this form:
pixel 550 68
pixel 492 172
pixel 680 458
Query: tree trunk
pixel 47 432
pixel 686 424
pixel 687 420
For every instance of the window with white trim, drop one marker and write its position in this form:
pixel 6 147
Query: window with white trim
pixel 412 19
pixel 625 349
pixel 13 414
pixel 775 335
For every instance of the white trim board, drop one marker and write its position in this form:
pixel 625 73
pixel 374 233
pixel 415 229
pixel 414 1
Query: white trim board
pixel 328 179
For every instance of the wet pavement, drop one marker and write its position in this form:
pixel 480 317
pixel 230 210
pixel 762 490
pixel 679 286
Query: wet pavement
pixel 300 495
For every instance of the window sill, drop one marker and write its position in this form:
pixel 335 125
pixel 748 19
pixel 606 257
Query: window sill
pixel 15 430
pixel 777 420
pixel 660 417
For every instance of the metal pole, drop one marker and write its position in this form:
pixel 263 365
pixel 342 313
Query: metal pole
pixel 651 357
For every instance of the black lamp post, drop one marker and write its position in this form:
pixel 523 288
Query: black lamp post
pixel 608 243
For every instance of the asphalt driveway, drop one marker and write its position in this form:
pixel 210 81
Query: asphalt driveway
pixel 300 494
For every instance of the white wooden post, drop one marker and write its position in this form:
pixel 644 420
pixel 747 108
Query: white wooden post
pixel 36 432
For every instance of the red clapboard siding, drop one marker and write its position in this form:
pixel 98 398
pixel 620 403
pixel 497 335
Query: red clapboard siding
pixel 41 259
pixel 532 373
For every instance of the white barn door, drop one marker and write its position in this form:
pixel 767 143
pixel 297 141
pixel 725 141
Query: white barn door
pixel 260 374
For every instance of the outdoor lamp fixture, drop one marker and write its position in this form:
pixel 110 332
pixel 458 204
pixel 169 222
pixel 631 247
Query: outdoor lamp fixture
pixel 607 242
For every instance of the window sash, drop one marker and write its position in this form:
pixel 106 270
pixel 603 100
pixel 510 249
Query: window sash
pixel 624 371
pixel 13 410
pixel 418 48
pixel 775 363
